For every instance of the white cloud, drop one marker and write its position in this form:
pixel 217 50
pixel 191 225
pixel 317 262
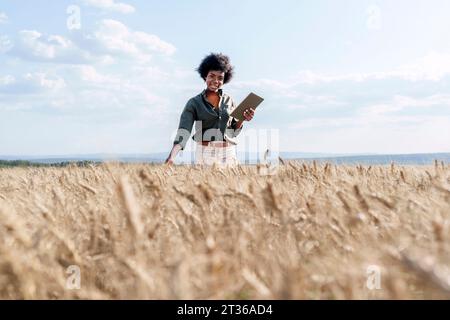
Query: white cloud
pixel 380 114
pixel 7 80
pixel 3 18
pixel 432 67
pixel 116 38
pixel 261 83
pixel 423 134
pixel 5 44
pixel 35 46
pixel 90 93
pixel 322 122
pixel 297 107
pixel 286 93
pixel 312 78
pixel 91 75
pixel 45 81
pixel 111 40
pixel 111 5
pixel 363 121
pixel 399 103
pixel 34 83
pixel 149 73
pixel 47 47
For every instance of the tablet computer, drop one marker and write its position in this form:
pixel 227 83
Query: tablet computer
pixel 252 101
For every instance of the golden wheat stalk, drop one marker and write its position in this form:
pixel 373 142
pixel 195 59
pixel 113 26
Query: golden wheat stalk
pixel 133 211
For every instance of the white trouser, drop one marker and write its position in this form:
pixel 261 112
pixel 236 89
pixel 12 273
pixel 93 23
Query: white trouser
pixel 210 154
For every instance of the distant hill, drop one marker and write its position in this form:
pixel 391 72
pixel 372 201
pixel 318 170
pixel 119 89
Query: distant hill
pixel 403 159
pixel 25 163
pixel 250 158
pixel 153 157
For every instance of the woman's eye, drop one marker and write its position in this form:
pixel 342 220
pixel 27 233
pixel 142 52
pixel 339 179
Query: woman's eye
pixel 214 78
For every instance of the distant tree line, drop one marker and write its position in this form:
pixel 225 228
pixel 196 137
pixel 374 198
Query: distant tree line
pixel 25 163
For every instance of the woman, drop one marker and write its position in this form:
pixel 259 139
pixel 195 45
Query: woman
pixel 216 130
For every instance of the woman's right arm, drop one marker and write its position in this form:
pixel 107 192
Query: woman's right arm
pixel 184 131
pixel 173 154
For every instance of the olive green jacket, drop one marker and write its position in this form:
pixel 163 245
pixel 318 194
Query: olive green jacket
pixel 211 124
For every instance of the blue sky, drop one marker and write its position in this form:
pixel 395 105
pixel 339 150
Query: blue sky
pixel 349 76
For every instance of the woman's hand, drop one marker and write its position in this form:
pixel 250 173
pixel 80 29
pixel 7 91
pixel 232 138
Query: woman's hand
pixel 169 161
pixel 249 114
pixel 173 154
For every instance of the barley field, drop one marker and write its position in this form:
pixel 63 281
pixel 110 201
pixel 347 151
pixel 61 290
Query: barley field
pixel 310 231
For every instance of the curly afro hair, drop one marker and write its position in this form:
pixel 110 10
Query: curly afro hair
pixel 216 62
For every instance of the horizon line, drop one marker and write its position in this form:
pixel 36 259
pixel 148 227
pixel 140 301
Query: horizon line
pixel 108 154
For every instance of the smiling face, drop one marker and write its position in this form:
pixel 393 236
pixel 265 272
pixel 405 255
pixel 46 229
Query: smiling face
pixel 214 80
